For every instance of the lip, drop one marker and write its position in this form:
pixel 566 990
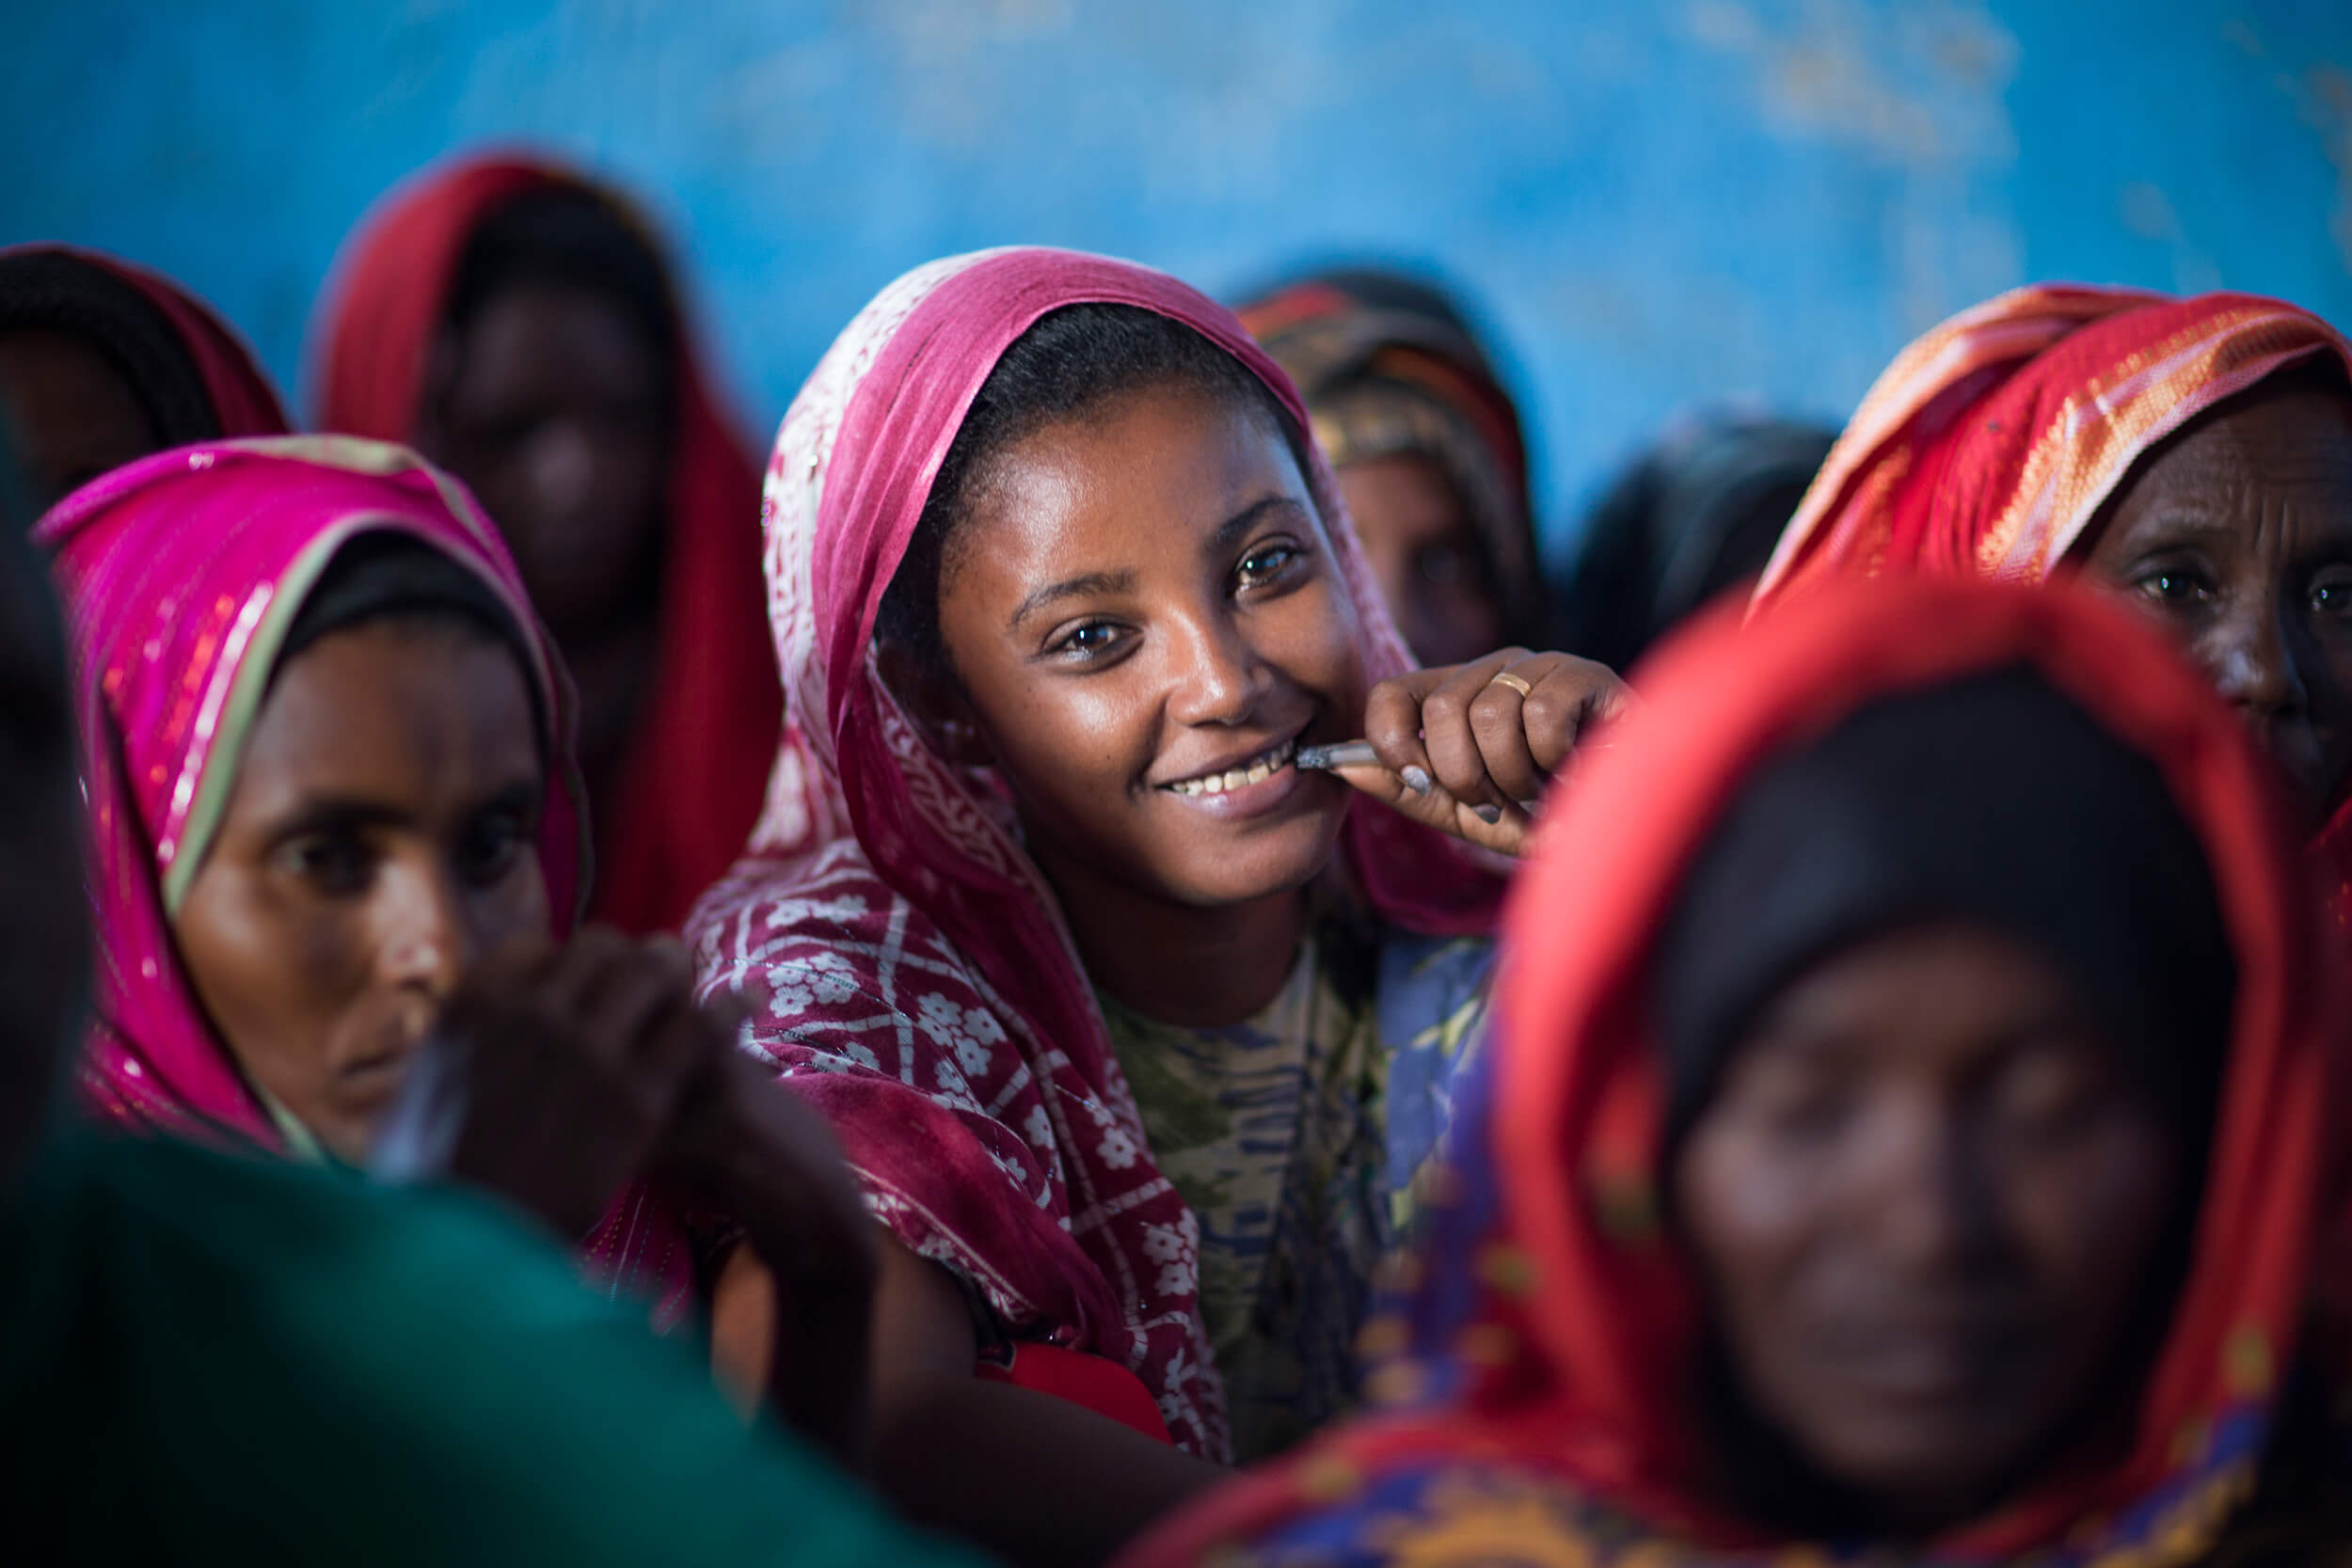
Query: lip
pixel 1284 744
pixel 1928 1362
pixel 1270 794
pixel 376 1074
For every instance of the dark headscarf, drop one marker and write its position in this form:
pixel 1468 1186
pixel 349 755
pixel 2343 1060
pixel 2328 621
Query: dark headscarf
pixel 1697 514
pixel 385 573
pixel 1389 367
pixel 190 372
pixel 1982 800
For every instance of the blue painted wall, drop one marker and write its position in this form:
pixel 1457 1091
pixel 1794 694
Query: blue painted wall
pixel 1651 203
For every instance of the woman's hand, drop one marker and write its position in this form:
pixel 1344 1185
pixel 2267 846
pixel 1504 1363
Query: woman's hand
pixel 801 1286
pixel 572 1064
pixel 1468 748
pixel 582 1069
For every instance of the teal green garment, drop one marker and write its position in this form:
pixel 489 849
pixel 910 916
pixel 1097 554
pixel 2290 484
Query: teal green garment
pixel 205 1358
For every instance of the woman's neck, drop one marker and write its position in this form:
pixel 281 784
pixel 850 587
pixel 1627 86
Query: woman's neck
pixel 1199 967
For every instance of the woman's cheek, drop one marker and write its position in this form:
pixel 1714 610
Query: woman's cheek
pixel 521 907
pixel 1316 646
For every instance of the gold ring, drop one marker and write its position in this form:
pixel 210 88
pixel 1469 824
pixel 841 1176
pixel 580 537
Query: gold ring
pixel 1516 683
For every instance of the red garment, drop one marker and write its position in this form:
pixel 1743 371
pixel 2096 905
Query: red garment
pixel 1988 446
pixel 1537 1378
pixel 697 765
pixel 243 402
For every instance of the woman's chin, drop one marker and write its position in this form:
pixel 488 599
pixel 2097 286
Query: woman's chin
pixel 1247 866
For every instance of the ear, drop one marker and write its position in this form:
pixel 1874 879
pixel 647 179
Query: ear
pixel 935 699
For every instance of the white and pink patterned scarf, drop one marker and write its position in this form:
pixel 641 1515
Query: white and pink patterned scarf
pixel 912 971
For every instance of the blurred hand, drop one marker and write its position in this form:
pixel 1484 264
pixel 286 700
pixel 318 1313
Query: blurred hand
pixel 746 1143
pixel 1471 754
pixel 575 1061
pixel 588 1066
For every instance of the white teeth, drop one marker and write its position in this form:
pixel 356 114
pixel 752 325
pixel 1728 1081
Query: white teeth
pixel 1256 771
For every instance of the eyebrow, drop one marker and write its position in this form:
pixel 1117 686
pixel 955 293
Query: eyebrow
pixel 1230 531
pixel 1228 534
pixel 1070 587
pixel 2177 528
pixel 344 813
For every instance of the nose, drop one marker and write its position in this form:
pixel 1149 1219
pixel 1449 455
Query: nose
pixel 1219 678
pixel 2253 664
pixel 1931 1204
pixel 428 939
pixel 561 466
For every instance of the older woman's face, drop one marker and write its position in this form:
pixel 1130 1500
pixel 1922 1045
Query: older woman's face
pixel 1925 1202
pixel 2237 533
pixel 381 835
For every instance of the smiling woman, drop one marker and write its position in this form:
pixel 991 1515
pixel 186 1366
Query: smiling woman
pixel 1135 1032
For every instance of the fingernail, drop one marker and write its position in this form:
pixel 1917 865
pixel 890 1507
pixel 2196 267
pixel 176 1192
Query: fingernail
pixel 1416 780
pixel 1489 814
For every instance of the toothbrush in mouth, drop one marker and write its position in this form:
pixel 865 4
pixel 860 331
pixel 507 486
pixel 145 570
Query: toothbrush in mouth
pixel 1359 754
pixel 1346 753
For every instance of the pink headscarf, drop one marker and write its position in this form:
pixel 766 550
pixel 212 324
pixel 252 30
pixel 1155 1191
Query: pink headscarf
pixel 922 990
pixel 180 575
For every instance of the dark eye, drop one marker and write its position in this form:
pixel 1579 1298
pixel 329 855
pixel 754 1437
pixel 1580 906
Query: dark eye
pixel 1443 566
pixel 337 864
pixel 2055 1090
pixel 492 845
pixel 2177 586
pixel 2332 595
pixel 1088 641
pixel 1266 563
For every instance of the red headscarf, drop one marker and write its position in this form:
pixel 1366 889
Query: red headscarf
pixel 693 781
pixel 915 979
pixel 1537 1375
pixel 242 402
pixel 1988 446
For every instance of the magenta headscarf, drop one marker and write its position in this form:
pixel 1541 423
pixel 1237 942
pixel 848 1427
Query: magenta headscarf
pixel 181 573
pixel 919 984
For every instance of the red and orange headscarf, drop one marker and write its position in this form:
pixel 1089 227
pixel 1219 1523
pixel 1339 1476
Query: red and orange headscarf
pixel 698 766
pixel 1988 446
pixel 1536 1375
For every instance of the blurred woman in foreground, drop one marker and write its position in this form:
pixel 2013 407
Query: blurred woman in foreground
pixel 1903 1143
